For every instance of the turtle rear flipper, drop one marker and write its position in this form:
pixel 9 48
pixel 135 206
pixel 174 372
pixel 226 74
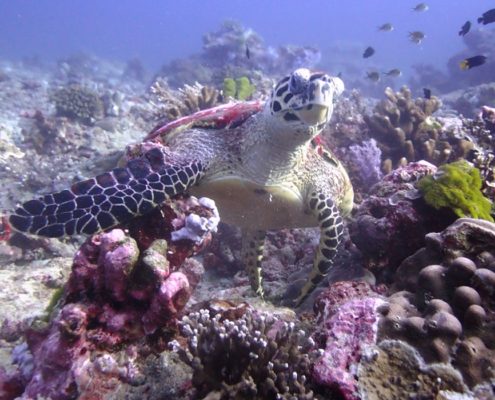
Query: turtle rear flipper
pixel 107 200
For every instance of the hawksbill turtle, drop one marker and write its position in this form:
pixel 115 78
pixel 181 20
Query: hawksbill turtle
pixel 259 161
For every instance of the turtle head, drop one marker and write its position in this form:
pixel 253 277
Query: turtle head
pixel 301 103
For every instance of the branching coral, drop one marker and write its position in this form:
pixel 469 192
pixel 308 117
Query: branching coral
pixel 172 104
pixel 246 354
pixel 78 103
pixel 406 131
pixel 456 186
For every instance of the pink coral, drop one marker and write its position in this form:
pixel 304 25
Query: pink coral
pixel 349 329
pixel 171 297
pixel 114 296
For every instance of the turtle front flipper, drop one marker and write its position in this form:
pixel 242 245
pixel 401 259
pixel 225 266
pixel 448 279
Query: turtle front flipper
pixel 107 200
pixel 252 253
pixel 332 228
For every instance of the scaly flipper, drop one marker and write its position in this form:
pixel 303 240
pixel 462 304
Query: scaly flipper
pixel 331 230
pixel 251 254
pixel 109 199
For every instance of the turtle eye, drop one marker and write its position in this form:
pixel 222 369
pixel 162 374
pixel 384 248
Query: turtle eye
pixel 297 84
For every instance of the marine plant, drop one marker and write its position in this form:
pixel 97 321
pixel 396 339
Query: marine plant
pixel 456 186
pixel 239 89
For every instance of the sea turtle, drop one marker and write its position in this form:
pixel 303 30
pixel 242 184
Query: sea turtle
pixel 260 162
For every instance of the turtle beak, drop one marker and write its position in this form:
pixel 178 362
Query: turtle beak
pixel 314 114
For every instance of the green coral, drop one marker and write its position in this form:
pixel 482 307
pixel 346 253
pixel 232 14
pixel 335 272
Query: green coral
pixel 229 87
pixel 457 186
pixel 244 88
pixel 239 89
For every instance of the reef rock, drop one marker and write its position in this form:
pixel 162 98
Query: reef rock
pixel 443 301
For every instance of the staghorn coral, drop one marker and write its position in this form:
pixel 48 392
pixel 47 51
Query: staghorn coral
pixel 406 131
pixel 238 352
pixel 443 300
pixel 78 103
pixel 172 104
pixel 456 186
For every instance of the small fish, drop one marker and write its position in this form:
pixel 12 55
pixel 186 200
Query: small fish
pixel 387 27
pixel 373 76
pixel 393 73
pixel 421 7
pixel 416 36
pixel 427 93
pixel 465 28
pixel 248 53
pixel 368 52
pixel 472 62
pixel 487 17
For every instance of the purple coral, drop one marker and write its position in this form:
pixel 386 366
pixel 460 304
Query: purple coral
pixel 366 158
pixel 115 296
pixel 348 328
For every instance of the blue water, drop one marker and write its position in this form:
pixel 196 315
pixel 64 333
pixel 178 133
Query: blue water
pixel 159 31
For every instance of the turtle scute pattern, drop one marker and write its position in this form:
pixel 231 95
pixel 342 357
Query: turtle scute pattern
pixel 300 105
pixel 108 199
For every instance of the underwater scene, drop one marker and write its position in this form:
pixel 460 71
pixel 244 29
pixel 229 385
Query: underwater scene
pixel 247 200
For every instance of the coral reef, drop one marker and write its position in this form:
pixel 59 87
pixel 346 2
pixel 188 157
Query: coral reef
pixel 442 301
pixel 479 41
pixel 456 186
pixel 391 222
pixel 458 81
pixel 239 89
pixel 118 298
pixel 171 104
pixel 78 103
pixel 468 101
pixel 406 131
pixel 364 163
pixel 242 353
pixel 393 370
pixel 225 53
pixel 348 323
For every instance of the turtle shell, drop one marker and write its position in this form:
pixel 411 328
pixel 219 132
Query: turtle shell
pixel 221 117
